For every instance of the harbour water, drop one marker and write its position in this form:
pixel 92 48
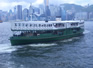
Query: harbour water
pixel 76 52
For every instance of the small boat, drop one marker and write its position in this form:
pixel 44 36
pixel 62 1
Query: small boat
pixel 28 32
pixel 1 21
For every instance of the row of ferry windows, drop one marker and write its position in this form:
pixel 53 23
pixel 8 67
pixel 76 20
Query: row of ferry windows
pixel 45 25
pixel 34 25
pixel 74 24
pixel 40 25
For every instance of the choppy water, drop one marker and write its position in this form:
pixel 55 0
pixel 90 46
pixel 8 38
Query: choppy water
pixel 76 52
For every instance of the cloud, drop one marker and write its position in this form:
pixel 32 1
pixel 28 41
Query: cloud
pixel 6 5
pixel 9 4
pixel 29 1
pixel 36 3
pixel 79 2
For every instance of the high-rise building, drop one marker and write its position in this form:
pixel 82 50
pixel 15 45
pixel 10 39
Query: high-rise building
pixel 15 13
pixel 31 10
pixel 0 14
pixel 46 2
pixel 10 15
pixel 19 12
pixel 81 16
pixel 63 13
pixel 41 8
pixel 58 12
pixel 15 10
pixel 25 14
pixel 47 10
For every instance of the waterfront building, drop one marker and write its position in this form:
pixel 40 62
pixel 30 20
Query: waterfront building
pixel 53 10
pixel 15 10
pixel 15 13
pixel 41 8
pixel 70 15
pixel 63 13
pixel 58 12
pixel 4 16
pixel 31 11
pixel 47 10
pixel 19 12
pixel 91 16
pixel 81 16
pixel 36 10
pixel 0 14
pixel 10 14
pixel 25 14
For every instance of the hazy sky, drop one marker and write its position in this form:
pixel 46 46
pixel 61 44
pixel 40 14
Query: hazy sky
pixel 9 4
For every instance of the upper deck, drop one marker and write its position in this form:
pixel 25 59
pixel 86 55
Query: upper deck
pixel 42 25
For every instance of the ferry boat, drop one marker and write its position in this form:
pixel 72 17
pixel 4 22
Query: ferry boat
pixel 28 32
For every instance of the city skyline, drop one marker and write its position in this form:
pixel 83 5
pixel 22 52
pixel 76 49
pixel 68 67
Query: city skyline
pixel 6 5
pixel 46 11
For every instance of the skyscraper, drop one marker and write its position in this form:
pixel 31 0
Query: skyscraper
pixel 41 7
pixel 63 13
pixel 46 2
pixel 25 14
pixel 31 10
pixel 15 10
pixel 47 10
pixel 19 12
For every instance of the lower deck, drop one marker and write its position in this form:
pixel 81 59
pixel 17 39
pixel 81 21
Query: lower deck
pixel 45 36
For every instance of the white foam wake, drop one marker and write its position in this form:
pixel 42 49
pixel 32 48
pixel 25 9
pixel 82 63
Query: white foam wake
pixel 6 48
pixel 42 45
pixel 86 31
pixel 71 39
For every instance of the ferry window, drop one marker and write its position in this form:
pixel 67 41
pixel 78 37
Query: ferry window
pixel 63 25
pixel 23 24
pixel 30 25
pixel 59 24
pixel 39 25
pixel 47 25
pixel 55 25
pixel 76 23
pixel 15 24
pixel 71 24
pixel 26 25
pixel 51 25
pixel 35 25
pixel 44 25
pixel 82 22
pixel 19 24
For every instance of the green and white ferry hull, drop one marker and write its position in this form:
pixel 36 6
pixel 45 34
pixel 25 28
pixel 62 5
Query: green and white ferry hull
pixel 44 32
